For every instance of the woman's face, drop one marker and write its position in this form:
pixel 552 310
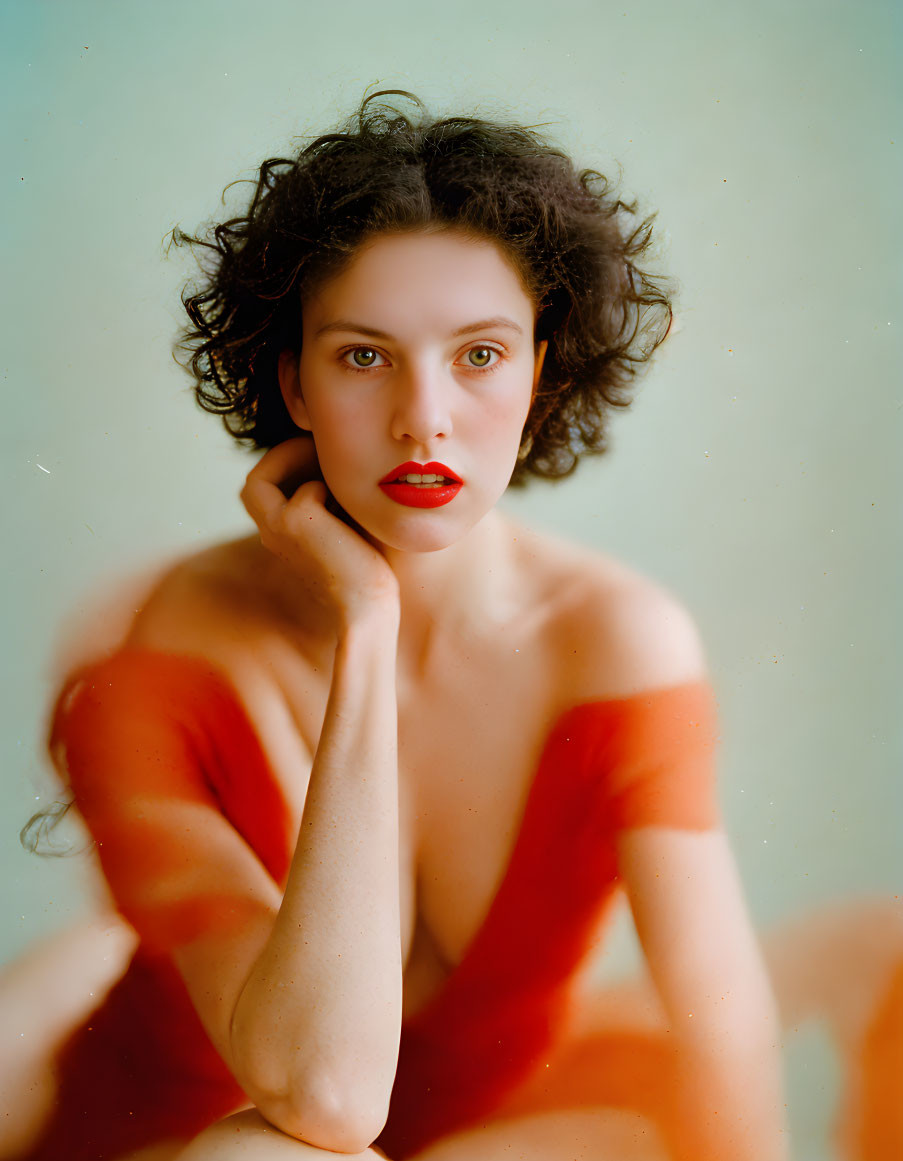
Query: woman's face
pixel 420 351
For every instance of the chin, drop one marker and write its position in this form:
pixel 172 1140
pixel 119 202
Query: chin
pixel 405 529
pixel 419 535
pixel 415 530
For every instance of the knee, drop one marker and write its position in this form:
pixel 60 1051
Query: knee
pixel 246 1136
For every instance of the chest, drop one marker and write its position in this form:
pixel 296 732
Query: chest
pixel 469 743
pixel 467 757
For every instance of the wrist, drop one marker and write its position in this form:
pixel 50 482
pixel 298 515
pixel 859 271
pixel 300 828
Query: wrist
pixel 726 1105
pixel 376 624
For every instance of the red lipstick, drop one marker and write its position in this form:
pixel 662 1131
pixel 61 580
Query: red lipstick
pixel 421 495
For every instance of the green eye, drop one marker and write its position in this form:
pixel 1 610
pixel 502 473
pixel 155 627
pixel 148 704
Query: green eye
pixel 363 358
pixel 486 350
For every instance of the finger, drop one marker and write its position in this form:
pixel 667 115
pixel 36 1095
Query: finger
pixel 277 475
pixel 290 456
pixel 268 506
pixel 310 490
pixel 263 501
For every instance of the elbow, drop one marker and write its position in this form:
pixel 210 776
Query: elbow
pixel 322 1116
pixel 336 1106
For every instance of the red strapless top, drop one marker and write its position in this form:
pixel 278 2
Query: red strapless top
pixel 145 726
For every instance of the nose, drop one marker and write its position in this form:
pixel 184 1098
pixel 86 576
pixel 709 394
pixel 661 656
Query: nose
pixel 421 409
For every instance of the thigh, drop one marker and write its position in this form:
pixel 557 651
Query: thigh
pixel 575 1135
pixel 567 1135
pixel 167 1151
pixel 246 1136
pixel 50 989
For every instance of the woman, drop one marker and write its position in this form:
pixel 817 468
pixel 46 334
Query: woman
pixel 366 782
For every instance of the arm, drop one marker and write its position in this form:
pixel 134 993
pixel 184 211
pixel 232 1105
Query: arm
pixel 320 1014
pixel 316 1025
pixel 301 994
pixel 305 1006
pixel 686 897
pixel 308 1015
pixel 705 962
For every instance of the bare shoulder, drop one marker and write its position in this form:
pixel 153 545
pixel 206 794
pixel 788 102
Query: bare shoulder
pixel 209 602
pixel 179 603
pixel 615 630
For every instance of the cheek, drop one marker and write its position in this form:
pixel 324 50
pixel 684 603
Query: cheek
pixel 340 449
pixel 346 454
pixel 501 423
pixel 511 406
pixel 337 427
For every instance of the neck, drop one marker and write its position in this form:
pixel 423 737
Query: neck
pixel 466 590
pixel 454 592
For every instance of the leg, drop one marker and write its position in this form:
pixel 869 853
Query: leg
pixel 842 964
pixel 579 1135
pixel 246 1136
pixel 590 1134
pixel 45 994
pixel 836 962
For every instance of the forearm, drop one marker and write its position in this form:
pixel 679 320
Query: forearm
pixel 317 1024
pixel 728 1102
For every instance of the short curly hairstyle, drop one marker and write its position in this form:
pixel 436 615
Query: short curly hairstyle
pixel 565 233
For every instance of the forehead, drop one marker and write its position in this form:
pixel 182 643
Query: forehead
pixel 421 276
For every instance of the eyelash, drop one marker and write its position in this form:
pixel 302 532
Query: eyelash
pixel 476 347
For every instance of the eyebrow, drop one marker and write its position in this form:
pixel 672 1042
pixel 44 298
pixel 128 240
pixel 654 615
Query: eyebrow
pixel 359 329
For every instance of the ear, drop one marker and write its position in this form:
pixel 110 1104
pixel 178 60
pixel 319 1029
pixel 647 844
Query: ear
pixel 290 386
pixel 537 370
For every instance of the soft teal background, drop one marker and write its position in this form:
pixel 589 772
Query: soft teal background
pixel 757 474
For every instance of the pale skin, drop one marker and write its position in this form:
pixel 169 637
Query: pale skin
pixel 357 655
pixel 831 964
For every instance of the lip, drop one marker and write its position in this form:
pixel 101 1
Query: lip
pixel 433 468
pixel 413 496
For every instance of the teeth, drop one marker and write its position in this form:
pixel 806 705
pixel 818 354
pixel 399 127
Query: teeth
pixel 413 478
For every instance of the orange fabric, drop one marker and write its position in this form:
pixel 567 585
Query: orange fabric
pixel 145 729
pixel 505 1007
pixel 621 1070
pixel 880 1129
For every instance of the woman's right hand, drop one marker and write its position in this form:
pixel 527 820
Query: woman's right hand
pixel 347 575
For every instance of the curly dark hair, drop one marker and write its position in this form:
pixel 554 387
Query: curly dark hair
pixel 565 233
